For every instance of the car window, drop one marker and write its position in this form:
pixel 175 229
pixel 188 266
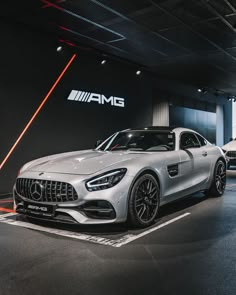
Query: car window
pixel 141 140
pixel 201 139
pixel 189 140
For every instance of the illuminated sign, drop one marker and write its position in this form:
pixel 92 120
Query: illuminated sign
pixel 89 97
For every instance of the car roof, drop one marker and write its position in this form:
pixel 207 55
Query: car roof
pixel 162 128
pixel 154 128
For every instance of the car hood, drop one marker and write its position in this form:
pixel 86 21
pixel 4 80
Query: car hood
pixel 231 146
pixel 83 163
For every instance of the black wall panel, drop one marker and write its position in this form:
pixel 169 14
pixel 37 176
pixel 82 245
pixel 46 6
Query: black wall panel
pixel 200 121
pixel 29 64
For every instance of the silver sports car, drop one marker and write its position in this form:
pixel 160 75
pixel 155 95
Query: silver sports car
pixel 126 177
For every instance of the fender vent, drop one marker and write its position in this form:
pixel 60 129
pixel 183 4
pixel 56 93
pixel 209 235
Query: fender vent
pixel 173 170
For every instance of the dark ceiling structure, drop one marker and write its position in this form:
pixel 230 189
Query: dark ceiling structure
pixel 189 40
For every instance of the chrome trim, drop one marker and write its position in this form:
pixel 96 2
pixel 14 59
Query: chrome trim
pixel 54 191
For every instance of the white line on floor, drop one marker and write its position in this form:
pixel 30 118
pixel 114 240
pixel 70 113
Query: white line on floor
pixel 85 237
pixel 230 185
pixel 7 215
pixel 129 238
pixel 64 233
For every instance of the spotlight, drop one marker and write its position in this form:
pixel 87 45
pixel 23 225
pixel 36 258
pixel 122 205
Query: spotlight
pixel 103 62
pixel 138 73
pixel 229 98
pixel 202 90
pixel 59 48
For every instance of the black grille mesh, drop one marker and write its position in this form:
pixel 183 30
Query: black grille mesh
pixel 54 191
pixel 231 154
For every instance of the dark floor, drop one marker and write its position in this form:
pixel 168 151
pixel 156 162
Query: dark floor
pixel 194 255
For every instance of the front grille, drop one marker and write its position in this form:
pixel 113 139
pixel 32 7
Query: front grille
pixel 231 154
pixel 52 191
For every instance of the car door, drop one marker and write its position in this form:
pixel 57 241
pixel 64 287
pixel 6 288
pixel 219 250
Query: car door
pixel 194 163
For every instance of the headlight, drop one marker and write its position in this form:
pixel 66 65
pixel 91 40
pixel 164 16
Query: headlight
pixel 105 180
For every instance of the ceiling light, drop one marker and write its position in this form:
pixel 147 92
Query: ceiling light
pixel 202 90
pixel 138 73
pixel 59 48
pixel 103 62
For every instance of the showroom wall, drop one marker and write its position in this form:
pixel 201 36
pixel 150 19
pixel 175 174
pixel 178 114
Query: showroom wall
pixel 175 96
pixel 29 65
pixel 201 121
pixel 234 120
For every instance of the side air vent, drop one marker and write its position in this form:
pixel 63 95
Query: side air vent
pixel 173 170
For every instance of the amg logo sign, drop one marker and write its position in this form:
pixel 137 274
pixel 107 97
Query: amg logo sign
pixel 95 97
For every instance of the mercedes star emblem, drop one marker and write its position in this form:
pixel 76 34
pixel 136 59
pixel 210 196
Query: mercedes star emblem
pixel 36 190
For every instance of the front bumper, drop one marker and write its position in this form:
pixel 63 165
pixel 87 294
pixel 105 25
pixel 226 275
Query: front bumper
pixel 231 161
pixel 100 207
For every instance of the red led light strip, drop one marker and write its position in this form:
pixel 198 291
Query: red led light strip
pixel 7 210
pixel 36 112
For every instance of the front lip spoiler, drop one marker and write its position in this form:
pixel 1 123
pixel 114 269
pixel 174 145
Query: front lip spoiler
pixel 52 219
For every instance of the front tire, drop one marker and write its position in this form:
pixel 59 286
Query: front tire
pixel 219 180
pixel 144 201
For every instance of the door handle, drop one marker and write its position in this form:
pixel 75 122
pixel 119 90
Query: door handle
pixel 204 154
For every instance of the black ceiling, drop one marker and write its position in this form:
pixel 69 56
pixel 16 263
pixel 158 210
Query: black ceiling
pixel 190 40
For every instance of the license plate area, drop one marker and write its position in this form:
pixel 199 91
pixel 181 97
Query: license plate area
pixel 39 209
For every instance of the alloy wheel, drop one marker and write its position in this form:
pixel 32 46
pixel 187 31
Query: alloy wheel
pixel 146 200
pixel 220 177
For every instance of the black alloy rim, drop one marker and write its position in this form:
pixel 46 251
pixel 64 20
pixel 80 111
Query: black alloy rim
pixel 221 178
pixel 146 201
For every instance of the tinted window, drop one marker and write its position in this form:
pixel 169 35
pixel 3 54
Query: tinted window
pixel 201 140
pixel 189 140
pixel 153 141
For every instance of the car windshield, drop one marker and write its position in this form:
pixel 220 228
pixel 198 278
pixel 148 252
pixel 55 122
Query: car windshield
pixel 144 140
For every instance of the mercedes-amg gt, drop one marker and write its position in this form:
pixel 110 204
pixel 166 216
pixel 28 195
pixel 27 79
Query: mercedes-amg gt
pixel 127 177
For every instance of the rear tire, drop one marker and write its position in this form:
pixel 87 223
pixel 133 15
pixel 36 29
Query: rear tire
pixel 144 201
pixel 219 180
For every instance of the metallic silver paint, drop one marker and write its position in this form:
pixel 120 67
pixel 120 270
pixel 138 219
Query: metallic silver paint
pixel 195 174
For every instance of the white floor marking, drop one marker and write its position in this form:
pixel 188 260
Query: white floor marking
pixel 85 237
pixel 64 233
pixel 230 185
pixel 7 215
pixel 129 238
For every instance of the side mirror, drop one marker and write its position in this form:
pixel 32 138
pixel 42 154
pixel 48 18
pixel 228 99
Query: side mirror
pixel 98 142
